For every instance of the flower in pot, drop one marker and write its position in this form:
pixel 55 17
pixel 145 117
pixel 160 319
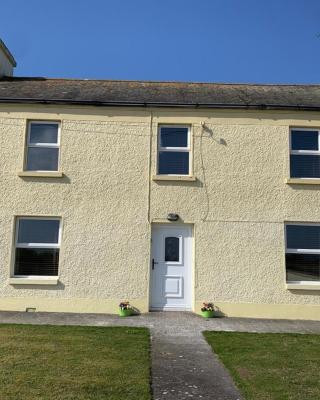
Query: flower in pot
pixel 207 310
pixel 125 310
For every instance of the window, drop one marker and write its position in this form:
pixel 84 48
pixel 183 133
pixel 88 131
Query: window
pixel 37 247
pixel 174 150
pixel 172 249
pixel 42 146
pixel 303 253
pixel 305 153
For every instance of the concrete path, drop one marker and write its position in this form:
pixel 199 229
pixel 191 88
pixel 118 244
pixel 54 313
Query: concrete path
pixel 183 365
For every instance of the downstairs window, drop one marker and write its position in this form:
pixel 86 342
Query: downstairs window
pixel 302 253
pixel 37 247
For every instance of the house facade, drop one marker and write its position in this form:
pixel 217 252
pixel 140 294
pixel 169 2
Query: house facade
pixel 163 194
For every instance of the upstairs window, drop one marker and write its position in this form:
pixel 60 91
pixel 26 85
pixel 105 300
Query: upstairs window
pixel 304 153
pixel 302 253
pixel 42 146
pixel 174 150
pixel 37 247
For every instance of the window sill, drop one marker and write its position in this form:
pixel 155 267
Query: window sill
pixel 303 181
pixel 303 286
pixel 189 178
pixel 36 280
pixel 44 174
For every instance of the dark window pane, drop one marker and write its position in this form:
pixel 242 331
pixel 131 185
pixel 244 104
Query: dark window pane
pixel 303 267
pixel 303 237
pixel 36 262
pixel 173 163
pixel 174 137
pixel 305 166
pixel 304 140
pixel 38 231
pixel 43 133
pixel 172 249
pixel 42 159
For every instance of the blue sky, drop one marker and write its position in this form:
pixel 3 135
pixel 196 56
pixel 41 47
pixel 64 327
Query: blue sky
pixel 271 41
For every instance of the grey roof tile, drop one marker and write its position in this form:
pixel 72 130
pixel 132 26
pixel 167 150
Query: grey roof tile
pixel 186 94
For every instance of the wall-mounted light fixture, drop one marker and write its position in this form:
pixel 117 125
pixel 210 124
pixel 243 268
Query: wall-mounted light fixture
pixel 172 217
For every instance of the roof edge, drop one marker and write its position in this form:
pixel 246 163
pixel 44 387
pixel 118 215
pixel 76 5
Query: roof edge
pixel 235 106
pixel 8 53
pixel 45 78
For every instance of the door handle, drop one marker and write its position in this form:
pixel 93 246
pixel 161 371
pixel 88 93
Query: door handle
pixel 153 263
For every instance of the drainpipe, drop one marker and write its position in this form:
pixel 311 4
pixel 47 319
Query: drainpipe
pixel 150 164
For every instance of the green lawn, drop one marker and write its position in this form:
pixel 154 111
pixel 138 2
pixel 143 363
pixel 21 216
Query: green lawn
pixel 271 366
pixel 78 363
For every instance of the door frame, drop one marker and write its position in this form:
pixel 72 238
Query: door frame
pixel 192 263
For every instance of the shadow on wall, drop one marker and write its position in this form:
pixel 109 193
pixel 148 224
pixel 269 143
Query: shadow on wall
pixel 59 286
pixel 218 313
pixel 65 179
pixel 210 132
pixel 196 183
pixel 136 311
pixel 305 292
pixel 304 186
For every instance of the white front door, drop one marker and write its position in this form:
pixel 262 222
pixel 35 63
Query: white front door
pixel 171 279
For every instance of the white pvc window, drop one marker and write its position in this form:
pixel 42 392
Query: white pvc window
pixel 43 145
pixel 302 253
pixel 174 150
pixel 304 153
pixel 37 246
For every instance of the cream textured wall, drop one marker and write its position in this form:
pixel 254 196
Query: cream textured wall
pixel 102 200
pixel 238 205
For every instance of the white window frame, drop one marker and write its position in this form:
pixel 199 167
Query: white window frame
pixel 174 149
pixel 34 245
pixel 42 144
pixel 301 251
pixel 304 152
